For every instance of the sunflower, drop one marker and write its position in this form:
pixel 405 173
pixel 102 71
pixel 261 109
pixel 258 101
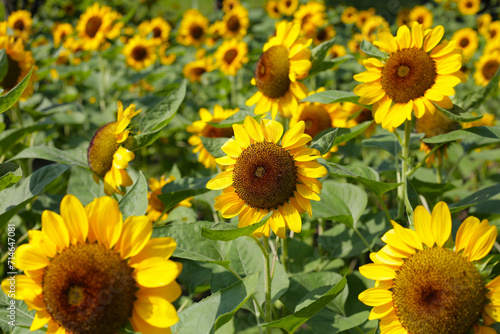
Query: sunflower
pixel 487 120
pixel 469 7
pixel 230 56
pixel 94 25
pixel 467 40
pixel 20 21
pixel 201 128
pixel 156 209
pixel 214 33
pixel 283 62
pixel 354 44
pixel 486 67
pixel 483 23
pixel 424 287
pixel 372 24
pixel 310 16
pixel 193 28
pixel 403 17
pixel 106 158
pixel 158 28
pixel 416 72
pixel 493 32
pixel 358 114
pixel 349 15
pixel 88 271
pixel 195 69
pixel 337 50
pixel 60 32
pixel 166 58
pixel 235 23
pixel 139 52
pixel 324 34
pixel 264 177
pixel 363 16
pixel 228 5
pixel 422 16
pixel 273 9
pixel 20 62
pixel 288 7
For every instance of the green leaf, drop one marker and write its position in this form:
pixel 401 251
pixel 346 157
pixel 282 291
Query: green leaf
pixel 4 64
pixel 318 54
pixel 75 157
pixel 333 96
pixel 476 97
pixel 192 245
pixel 9 174
pixel 23 317
pixel 233 233
pixel 213 145
pixel 389 142
pixel 326 322
pixel 135 201
pixel 237 118
pixel 318 300
pixel 15 198
pixel 365 175
pixel 8 100
pixel 9 137
pixel 178 190
pixel 82 185
pixel 214 311
pixel 475 198
pixel 330 63
pixel 478 132
pixel 346 134
pixel 457 114
pixel 325 141
pixel 372 50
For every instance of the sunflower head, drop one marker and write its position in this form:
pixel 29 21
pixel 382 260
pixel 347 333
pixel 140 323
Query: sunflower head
pixel 156 209
pixel 195 69
pixel 95 24
pixel 469 7
pixel 310 16
pixel 337 50
pixel 324 34
pixel 349 15
pixel 424 286
pixel 486 67
pixel 273 9
pixel 422 16
pixel 20 21
pixel 139 52
pixel 193 28
pixel 288 7
pixel 157 28
pixel 467 40
pixel 235 23
pixel 60 32
pixel 88 271
pixel 403 17
pixel 230 56
pixel 265 175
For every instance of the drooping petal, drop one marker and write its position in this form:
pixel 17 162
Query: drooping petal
pixel 291 216
pixel 155 311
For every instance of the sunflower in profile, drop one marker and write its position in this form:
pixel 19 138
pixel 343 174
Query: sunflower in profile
pixel 288 7
pixel 139 52
pixel 105 155
pixel 349 15
pixel 285 61
pixel 265 175
pixel 424 284
pixel 230 56
pixel 486 67
pixel 273 9
pixel 417 72
pixel 201 128
pixel 157 27
pixel 89 271
pixel 20 62
pixel 235 23
pixel 422 16
pixel 20 22
pixel 94 25
pixel 156 208
pixel 324 34
pixel 60 32
pixel 469 7
pixel 195 69
pixel 467 40
pixel 193 28
pixel 310 16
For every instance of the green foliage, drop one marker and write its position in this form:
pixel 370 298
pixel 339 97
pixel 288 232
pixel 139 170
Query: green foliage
pixel 325 141
pixel 135 201
pixel 8 100
pixel 333 96
pixel 228 234
pixel 176 191
pixel 10 174
pixel 371 50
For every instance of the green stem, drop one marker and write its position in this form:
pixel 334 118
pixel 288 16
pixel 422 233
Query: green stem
pixel 384 207
pixel 362 239
pixel 268 316
pixel 421 163
pixel 284 253
pixel 402 190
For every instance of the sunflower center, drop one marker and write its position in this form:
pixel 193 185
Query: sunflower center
pixel 196 31
pixel 233 24
pixel 271 72
pixel 489 69
pixel 316 119
pixel 102 148
pixel 468 4
pixel 13 72
pixel 198 71
pixel 19 25
pixel 230 55
pixel 88 288
pixel 156 32
pixel 321 36
pixel 420 20
pixel 265 176
pixel 408 74
pixel 464 42
pixel 139 53
pixel 213 132
pixel 438 291
pixel 493 33
pixel 93 25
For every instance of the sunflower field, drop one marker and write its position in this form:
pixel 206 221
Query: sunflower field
pixel 250 166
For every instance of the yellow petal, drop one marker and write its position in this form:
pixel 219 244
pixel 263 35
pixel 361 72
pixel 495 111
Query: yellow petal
pixel 409 236
pixel 169 292
pixel 311 169
pixel 241 136
pixel 464 233
pixel 23 288
pixel 386 40
pixel 142 326
pixel 105 220
pixel 392 239
pixel 375 296
pixel 135 235
pixel 292 217
pixel 54 227
pixel 293 134
pixel 307 193
pixel 253 129
pixel 156 311
pixel 30 258
pixel 277 224
pixel 378 312
pixel 40 320
pixel 155 272
pixel 222 180
pixel 422 221
pixel 377 272
pixel 367 76
pixel 232 148
pixel 157 247
pixel 482 246
pixel 272 131
pixel 441 223
pixel 403 37
pixel 75 217
pixel 433 38
pixel 417 35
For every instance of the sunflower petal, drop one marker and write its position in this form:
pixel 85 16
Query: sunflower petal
pixel 375 296
pixel 105 220
pixel 157 247
pixel 222 180
pixel 441 223
pixel 135 235
pixel 155 272
pixel 277 224
pixel 422 221
pixel 291 216
pixel 155 311
pixel 75 217
pixel 377 272
pixel 54 227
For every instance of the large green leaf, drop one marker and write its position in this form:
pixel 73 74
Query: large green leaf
pixel 9 174
pixel 389 142
pixel 82 185
pixel 346 134
pixel 4 64
pixel 15 198
pixel 228 233
pixel 22 317
pixel 327 322
pixel 332 96
pixel 476 198
pixel 214 311
pixel 325 141
pixel 491 133
pixel 9 99
pixel 213 145
pixel 178 190
pixel 237 118
pixel 318 54
pixel 317 300
pixel 75 157
pixel 457 114
pixel 135 201
pixel 372 50
pixel 9 137
pixel 476 97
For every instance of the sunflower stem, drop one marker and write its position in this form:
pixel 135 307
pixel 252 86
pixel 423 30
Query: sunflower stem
pixel 363 239
pixel 284 253
pixel 267 268
pixel 402 190
pixel 422 162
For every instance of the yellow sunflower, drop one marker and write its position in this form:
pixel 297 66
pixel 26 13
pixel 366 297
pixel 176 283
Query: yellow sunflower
pixel 195 69
pixel 422 16
pixel 106 158
pixel 94 25
pixel 20 63
pixel 354 44
pixel 372 24
pixel 423 286
pixel 264 177
pixel 158 28
pixel 337 50
pixel 310 16
pixel 324 34
pixel 273 9
pixel 193 28
pixel 230 56
pixel 486 67
pixel 228 5
pixel 467 40
pixel 483 23
pixel 166 58
pixel 487 120
pixel 214 33
pixel 363 16
pixel 288 7
pixel 60 32
pixel 403 17
pixel 416 73
pixel 139 52
pixel 235 23
pixel 469 7
pixel 284 61
pixel 88 271
pixel 493 32
pixel 349 15
pixel 20 21
pixel 201 128
pixel 156 209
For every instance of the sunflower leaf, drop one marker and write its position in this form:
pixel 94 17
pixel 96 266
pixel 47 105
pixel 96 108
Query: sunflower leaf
pixel 4 64
pixel 346 134
pixel 475 98
pixel 178 190
pixel 233 233
pixel 213 145
pixel 76 157
pixel 475 198
pixel 318 55
pixel 135 201
pixel 325 141
pixel 372 50
pixel 333 96
pixel 457 114
pixel 237 118
pixel 9 99
pixel 21 319
pixel 10 174
pixel 489 133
